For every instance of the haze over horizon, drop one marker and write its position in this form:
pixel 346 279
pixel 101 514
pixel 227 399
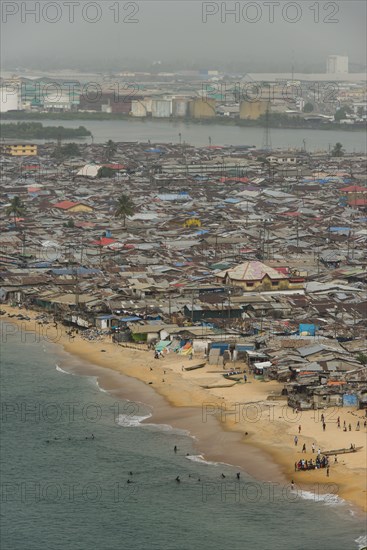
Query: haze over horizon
pixel 176 35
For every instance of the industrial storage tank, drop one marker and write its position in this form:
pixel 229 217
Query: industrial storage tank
pixel 161 108
pixel 202 108
pixel 9 99
pixel 180 107
pixel 141 108
pixel 252 110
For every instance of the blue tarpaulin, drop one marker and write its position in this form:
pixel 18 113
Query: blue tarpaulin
pixel 349 400
pixel 309 329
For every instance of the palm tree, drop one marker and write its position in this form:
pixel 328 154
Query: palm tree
pixel 16 208
pixel 125 207
pixel 111 149
pixel 337 150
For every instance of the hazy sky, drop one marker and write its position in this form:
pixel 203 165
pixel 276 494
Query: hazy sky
pixel 175 32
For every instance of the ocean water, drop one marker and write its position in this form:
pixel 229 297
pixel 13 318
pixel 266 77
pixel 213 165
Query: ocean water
pixel 64 488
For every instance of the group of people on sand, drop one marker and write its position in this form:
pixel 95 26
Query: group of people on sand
pixel 320 462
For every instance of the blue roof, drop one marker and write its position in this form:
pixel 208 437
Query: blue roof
pixel 173 196
pixel 232 201
pixel 130 319
pixel 72 271
pixel 340 229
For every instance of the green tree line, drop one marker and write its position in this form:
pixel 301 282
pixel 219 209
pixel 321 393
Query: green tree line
pixel 35 130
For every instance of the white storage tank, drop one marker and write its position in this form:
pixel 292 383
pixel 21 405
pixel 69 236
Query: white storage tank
pixel 180 107
pixel 141 107
pixel 161 108
pixel 9 99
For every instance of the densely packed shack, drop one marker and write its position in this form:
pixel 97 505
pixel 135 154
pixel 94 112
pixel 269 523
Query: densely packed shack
pixel 222 245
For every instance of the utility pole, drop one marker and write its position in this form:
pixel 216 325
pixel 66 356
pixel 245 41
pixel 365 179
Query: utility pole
pixel 192 306
pixel 266 136
pixel 76 289
pixel 297 230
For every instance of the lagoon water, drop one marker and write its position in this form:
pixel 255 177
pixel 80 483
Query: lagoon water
pixel 72 492
pixel 198 134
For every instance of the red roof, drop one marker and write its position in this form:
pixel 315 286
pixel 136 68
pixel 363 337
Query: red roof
pixel 33 189
pixel 115 166
pixel 242 180
pixel 65 205
pixel 292 214
pixel 282 269
pixel 358 202
pixel 104 241
pixel 354 189
pixel 30 166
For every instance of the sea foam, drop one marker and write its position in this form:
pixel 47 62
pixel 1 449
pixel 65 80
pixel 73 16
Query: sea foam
pixel 201 460
pixel 131 420
pixel 361 542
pixel 328 499
pixel 59 369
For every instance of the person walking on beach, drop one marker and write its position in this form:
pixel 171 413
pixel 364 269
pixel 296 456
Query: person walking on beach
pixel 323 426
pixel 292 485
pixel 338 422
pixel 327 471
pixel 322 417
pixel 344 425
pixel 299 429
pixel 304 448
pixel 358 426
pixel 245 378
pixel 295 440
pixel 175 448
pixel 350 427
pixel 319 452
pixel 313 447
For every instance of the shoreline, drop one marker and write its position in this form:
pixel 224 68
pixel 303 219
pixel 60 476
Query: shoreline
pixel 234 424
pixel 220 121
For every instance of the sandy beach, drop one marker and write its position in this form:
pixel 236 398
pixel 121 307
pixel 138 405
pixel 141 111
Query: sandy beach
pixel 238 423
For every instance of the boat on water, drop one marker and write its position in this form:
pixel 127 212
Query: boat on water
pixel 342 451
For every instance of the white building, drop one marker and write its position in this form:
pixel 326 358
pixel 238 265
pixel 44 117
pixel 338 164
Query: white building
pixel 337 64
